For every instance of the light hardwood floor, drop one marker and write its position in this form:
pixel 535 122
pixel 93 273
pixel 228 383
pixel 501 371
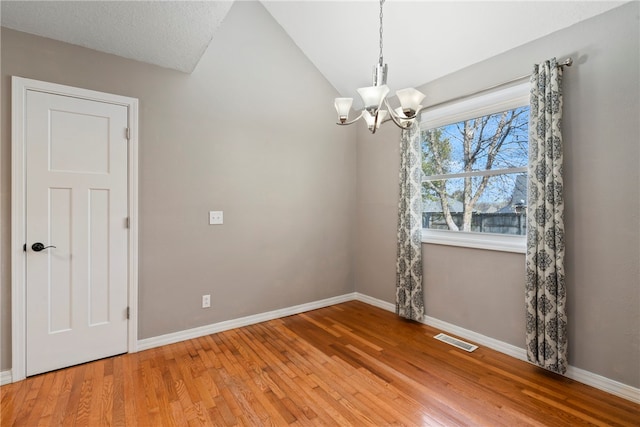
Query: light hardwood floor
pixel 349 364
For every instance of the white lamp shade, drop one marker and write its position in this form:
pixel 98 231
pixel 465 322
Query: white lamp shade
pixel 410 100
pixel 371 120
pixel 382 116
pixel 343 105
pixel 372 96
pixel 368 118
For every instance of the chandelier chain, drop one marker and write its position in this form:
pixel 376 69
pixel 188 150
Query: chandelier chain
pixel 380 57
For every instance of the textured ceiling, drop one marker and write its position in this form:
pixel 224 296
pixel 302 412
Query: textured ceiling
pixel 423 39
pixel 171 34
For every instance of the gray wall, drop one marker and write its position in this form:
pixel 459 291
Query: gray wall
pixel 251 132
pixel 287 180
pixel 483 290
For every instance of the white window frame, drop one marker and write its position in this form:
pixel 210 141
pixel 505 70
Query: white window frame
pixel 482 105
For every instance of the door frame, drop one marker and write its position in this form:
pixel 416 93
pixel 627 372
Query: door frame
pixel 19 88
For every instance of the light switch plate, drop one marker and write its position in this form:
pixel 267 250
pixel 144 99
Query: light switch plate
pixel 215 217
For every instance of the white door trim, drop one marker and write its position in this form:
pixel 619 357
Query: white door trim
pixel 19 88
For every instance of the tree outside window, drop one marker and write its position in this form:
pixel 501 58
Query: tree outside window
pixel 475 173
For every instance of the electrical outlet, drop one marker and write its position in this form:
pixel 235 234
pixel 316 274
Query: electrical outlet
pixel 206 301
pixel 215 217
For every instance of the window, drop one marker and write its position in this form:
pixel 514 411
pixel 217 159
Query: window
pixel 475 156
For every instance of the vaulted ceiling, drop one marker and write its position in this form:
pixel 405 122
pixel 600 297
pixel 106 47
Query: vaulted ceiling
pixel 423 39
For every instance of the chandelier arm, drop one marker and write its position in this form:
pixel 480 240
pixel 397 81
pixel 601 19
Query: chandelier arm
pixel 398 123
pixel 420 108
pixel 396 119
pixel 351 121
pixel 375 126
pixel 415 115
pixel 392 111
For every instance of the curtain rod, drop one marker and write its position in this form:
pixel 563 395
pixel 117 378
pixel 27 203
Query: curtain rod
pixel 566 63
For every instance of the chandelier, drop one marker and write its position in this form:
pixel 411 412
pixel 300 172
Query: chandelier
pixel 373 98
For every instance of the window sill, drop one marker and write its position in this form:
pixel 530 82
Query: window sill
pixel 493 242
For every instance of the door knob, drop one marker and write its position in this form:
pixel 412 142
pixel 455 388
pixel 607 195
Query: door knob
pixel 37 247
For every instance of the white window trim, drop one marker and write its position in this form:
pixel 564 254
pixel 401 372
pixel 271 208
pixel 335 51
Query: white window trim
pixel 489 241
pixel 478 106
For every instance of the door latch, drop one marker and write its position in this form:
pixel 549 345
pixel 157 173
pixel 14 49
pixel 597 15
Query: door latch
pixel 37 247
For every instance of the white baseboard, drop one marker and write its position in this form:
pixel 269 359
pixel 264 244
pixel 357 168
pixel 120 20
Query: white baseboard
pixel 589 378
pixel 6 377
pixel 201 331
pixel 501 346
pixel 375 302
pixel 594 380
pixel 603 383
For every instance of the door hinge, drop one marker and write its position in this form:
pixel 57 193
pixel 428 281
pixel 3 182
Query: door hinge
pixel 128 313
pixel 128 132
pixel 128 223
pixel 24 247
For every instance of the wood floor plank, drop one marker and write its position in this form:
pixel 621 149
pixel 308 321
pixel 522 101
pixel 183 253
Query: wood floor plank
pixel 41 399
pixel 346 365
pixel 62 396
pixel 28 400
pixel 49 399
pixel 87 394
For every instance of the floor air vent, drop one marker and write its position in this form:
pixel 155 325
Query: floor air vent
pixel 456 342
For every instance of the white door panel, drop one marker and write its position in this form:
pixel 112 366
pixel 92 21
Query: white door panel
pixel 76 200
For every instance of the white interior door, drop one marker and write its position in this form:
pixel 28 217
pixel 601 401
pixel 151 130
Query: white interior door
pixel 76 205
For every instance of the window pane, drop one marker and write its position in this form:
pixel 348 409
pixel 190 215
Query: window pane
pixel 489 204
pixel 496 141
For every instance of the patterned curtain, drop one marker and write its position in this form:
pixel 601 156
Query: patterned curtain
pixel 546 337
pixel 409 295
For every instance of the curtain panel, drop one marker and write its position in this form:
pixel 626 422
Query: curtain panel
pixel 409 293
pixel 546 323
